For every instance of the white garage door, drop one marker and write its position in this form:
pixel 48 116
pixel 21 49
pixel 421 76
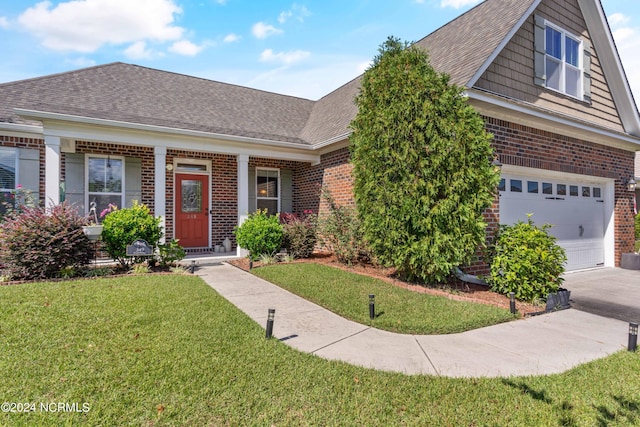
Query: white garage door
pixel 574 209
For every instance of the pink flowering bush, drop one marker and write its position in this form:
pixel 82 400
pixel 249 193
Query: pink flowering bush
pixel 299 233
pixel 38 242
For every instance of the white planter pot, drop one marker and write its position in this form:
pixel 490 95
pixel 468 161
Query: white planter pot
pixel 92 232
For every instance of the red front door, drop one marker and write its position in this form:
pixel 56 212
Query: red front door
pixel 192 210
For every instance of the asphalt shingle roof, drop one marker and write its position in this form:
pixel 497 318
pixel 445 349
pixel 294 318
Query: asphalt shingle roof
pixel 135 94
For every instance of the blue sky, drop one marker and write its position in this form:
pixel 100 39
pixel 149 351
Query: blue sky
pixel 304 48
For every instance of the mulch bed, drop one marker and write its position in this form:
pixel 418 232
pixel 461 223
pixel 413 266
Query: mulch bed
pixel 454 289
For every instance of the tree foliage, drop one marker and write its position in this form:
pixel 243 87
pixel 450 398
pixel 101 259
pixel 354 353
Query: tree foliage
pixel 422 165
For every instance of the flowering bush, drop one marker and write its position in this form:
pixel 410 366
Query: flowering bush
pixel 40 243
pixel 16 201
pixel 299 233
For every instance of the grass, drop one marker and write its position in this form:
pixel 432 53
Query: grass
pixel 397 309
pixel 168 351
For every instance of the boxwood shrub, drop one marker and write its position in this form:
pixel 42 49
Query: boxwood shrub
pixel 527 261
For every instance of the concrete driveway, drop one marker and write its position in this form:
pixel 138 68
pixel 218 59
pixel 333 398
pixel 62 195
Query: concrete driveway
pixel 608 292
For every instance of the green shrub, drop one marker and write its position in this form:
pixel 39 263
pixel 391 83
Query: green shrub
pixel 527 261
pixel 341 232
pixel 299 234
pixel 123 226
pixel 170 253
pixel 638 227
pixel 40 243
pixel 260 234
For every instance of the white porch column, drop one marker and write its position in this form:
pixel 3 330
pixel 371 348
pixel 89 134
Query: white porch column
pixel 243 193
pixel 52 170
pixel 160 187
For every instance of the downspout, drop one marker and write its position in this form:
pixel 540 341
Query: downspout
pixel 468 278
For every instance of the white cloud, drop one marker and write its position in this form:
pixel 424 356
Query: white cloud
pixel 230 38
pixel 4 22
pixel 186 48
pixel 627 39
pixel 86 25
pixel 138 50
pixel 81 62
pixel 457 4
pixel 285 58
pixel 297 12
pixel 260 30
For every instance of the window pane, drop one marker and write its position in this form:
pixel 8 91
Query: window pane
pixel 553 74
pixel 103 201
pixel 502 186
pixel 572 82
pixel 573 190
pixel 516 186
pixel 191 196
pixel 105 175
pixel 572 49
pixel 597 192
pixel 532 187
pixel 547 188
pixel 586 191
pixel 7 169
pixel 267 183
pixel 270 205
pixel 561 190
pixel 554 43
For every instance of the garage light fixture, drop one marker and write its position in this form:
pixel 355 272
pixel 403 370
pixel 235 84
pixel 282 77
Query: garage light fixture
pixel 497 165
pixel 629 183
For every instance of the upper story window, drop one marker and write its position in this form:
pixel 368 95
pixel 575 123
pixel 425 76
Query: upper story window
pixel 563 61
pixel 105 182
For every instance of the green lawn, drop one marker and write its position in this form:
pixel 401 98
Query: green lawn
pixel 398 310
pixel 167 350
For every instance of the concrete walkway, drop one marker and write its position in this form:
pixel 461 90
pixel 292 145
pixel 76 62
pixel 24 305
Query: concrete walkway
pixel 545 344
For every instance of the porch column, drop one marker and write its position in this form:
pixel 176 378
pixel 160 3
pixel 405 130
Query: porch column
pixel 243 193
pixel 160 187
pixel 52 170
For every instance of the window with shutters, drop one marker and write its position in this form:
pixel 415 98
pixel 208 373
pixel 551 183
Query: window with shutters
pixel 8 179
pixel 268 190
pixel 563 60
pixel 563 63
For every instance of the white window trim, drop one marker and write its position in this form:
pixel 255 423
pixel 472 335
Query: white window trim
pixel 123 191
pixel 563 63
pixel 279 187
pixel 199 162
pixel 16 167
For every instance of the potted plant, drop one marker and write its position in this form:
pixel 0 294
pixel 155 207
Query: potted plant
pixel 93 229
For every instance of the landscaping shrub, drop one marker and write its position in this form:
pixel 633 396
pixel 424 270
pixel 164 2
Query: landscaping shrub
pixel 123 226
pixel 340 231
pixel 299 233
pixel 527 261
pixel 260 234
pixel 40 243
pixel 638 227
pixel 170 253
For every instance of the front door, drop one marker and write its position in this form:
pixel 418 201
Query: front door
pixel 192 210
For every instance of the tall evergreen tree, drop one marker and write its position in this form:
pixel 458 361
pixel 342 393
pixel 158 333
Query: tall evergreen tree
pixel 422 165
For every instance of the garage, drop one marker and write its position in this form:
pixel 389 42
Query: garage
pixel 576 209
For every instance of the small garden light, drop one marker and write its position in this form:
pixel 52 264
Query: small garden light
pixel 372 306
pixel 270 318
pixel 192 269
pixel 633 337
pixel 512 302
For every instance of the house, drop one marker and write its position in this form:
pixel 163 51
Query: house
pixel 545 75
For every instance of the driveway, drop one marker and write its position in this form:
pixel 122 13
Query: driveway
pixel 609 292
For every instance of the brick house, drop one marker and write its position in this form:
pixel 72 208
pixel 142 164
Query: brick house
pixel 202 154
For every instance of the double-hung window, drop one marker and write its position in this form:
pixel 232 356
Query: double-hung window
pixel 105 182
pixel 563 61
pixel 268 190
pixel 8 163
